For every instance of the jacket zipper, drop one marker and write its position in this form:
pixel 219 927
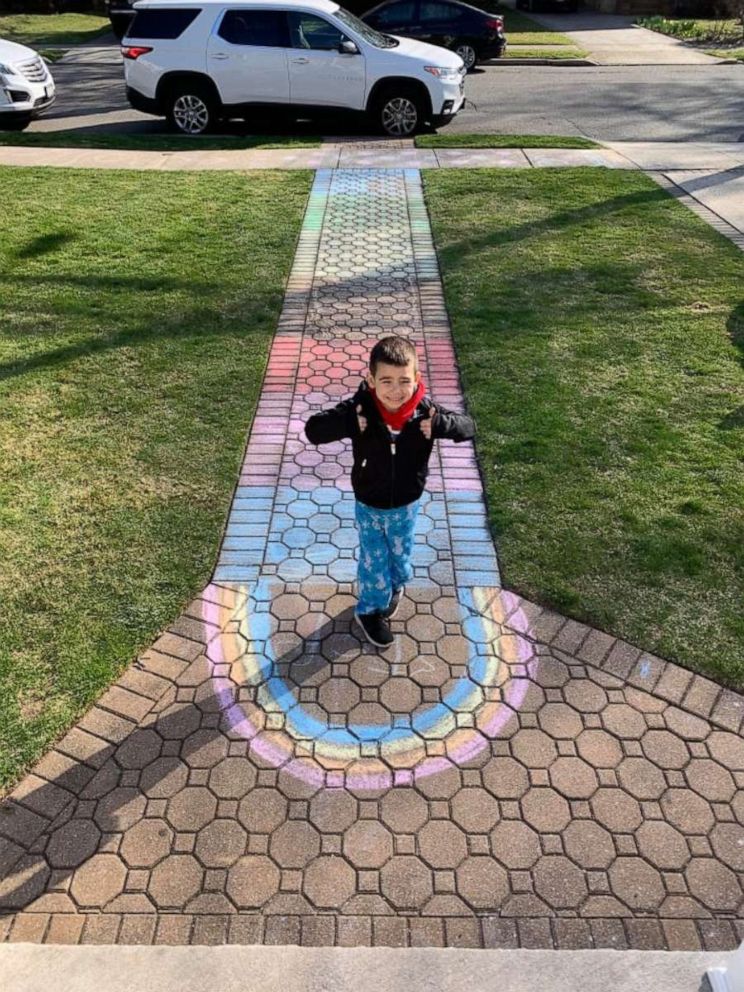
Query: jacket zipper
pixel 392 473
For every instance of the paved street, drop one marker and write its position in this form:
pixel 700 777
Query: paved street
pixel 609 103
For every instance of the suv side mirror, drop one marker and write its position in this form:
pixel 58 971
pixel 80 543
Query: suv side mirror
pixel 348 47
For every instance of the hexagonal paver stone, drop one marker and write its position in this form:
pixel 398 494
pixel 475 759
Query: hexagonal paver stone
pixel 406 882
pixel 475 810
pixel 482 883
pixel 710 780
pixel 164 777
pixel 442 844
pixel 573 778
pixel 178 721
pixel 505 778
pixel 174 881
pixel 616 810
pixel 205 748
pixel 294 783
pixel 263 810
pixel 120 810
pixel 98 881
pixel 533 748
pixel 636 883
pixel 339 695
pixel 713 884
pixel 232 778
pixel 139 749
pixel 662 845
pixel 442 785
pixel 664 749
pixel 546 810
pixel 728 844
pixel 515 844
pixel 329 882
pixel 641 778
pixel 454 649
pixel 365 715
pixel 192 808
pixel 289 606
pixel 559 882
pixel 588 844
pixel 252 881
pixel 687 811
pixel 400 695
pixel 72 844
pixel 333 810
pixel 367 844
pixel 599 748
pixel 294 844
pixel 686 725
pixel 585 696
pixel 425 627
pixel 146 843
pixel 551 673
pixel 727 749
pixel 560 721
pixel 404 811
pixel 623 721
pixel 220 843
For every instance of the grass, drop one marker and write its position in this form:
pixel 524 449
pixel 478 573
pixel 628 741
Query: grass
pixel 524 52
pixel 449 140
pixel 52 29
pixel 720 30
pixel 137 313
pixel 155 142
pixel 523 30
pixel 727 53
pixel 600 333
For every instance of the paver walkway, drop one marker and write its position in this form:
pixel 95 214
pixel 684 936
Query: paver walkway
pixel 502 777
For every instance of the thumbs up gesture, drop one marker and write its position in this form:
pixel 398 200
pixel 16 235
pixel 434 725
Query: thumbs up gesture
pixel 361 420
pixel 428 422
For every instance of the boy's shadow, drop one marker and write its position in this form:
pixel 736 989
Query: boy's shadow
pixel 63 823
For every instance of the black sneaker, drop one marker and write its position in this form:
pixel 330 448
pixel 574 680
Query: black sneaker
pixel 375 628
pixel 395 599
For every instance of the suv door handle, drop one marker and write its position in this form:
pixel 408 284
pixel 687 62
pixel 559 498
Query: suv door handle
pixel 300 61
pixel 219 55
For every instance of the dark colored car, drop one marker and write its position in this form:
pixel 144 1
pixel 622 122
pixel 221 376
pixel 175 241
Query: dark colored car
pixel 121 15
pixel 474 34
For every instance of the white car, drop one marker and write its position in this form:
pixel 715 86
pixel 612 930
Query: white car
pixel 26 86
pixel 197 61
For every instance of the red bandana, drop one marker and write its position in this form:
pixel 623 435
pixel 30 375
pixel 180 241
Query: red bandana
pixel 396 420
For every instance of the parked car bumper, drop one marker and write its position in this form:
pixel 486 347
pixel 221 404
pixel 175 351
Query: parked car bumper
pixel 20 99
pixel 493 50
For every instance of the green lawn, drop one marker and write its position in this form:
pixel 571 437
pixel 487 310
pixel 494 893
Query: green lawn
pixel 600 331
pixel 727 53
pixel 523 30
pixel 525 52
pixel 137 313
pixel 155 142
pixel 449 140
pixel 52 29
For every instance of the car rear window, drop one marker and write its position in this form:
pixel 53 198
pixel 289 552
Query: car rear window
pixel 162 23
pixel 261 28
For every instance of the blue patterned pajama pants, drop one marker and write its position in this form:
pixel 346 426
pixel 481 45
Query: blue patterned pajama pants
pixel 385 546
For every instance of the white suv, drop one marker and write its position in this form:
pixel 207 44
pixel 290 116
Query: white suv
pixel 201 60
pixel 26 85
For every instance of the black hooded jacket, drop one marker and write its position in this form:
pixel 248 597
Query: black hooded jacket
pixel 388 471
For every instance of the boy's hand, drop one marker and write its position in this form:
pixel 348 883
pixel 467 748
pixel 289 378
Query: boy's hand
pixel 361 420
pixel 428 422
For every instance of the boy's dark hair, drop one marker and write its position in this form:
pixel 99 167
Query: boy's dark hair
pixel 392 350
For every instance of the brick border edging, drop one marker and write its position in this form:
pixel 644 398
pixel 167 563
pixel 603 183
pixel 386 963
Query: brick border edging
pixel 718 223
pixel 334 930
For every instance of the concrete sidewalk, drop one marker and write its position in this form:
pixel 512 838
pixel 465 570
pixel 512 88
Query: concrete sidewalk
pixel 27 968
pixel 613 39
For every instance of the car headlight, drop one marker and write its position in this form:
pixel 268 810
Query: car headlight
pixel 443 72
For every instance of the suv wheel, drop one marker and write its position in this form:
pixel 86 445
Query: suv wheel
pixel 191 109
pixel 399 113
pixel 467 53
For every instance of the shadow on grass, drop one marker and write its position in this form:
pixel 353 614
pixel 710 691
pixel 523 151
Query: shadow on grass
pixel 45 244
pixel 735 419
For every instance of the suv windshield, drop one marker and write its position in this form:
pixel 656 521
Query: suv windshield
pixel 364 30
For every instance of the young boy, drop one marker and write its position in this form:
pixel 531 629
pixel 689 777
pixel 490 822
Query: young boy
pixel 392 425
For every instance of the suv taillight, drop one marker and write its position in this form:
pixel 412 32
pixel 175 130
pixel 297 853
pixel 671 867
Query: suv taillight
pixel 134 51
pixel 495 23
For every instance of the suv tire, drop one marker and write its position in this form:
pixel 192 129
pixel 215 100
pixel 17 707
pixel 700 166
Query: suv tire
pixel 399 112
pixel 191 107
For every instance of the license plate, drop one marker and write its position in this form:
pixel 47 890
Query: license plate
pixel 47 92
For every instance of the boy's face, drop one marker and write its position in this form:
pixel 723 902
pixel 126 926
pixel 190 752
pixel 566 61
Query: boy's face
pixel 394 384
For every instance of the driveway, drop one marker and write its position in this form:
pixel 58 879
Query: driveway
pixel 613 39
